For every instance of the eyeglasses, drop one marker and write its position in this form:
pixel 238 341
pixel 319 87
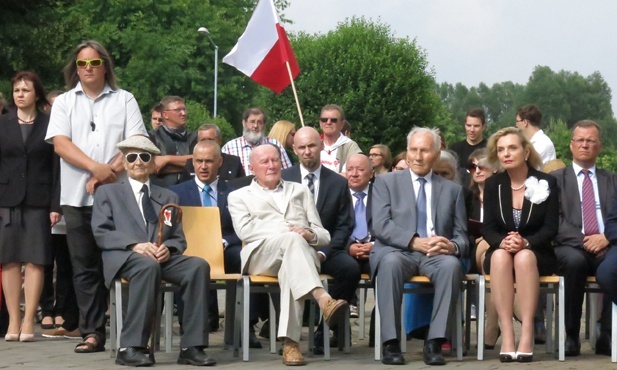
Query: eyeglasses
pixel 94 63
pixel 159 119
pixel 373 155
pixel 177 110
pixel 520 120
pixel 585 141
pixel 325 119
pixel 144 156
pixel 472 167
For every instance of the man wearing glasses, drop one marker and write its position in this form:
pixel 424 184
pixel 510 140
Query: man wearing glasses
pixel 528 120
pixel 337 147
pixel 174 141
pixel 254 122
pixel 125 224
pixel 583 239
pixel 85 125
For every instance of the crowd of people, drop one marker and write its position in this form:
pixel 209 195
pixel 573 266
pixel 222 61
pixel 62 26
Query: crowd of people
pixel 83 185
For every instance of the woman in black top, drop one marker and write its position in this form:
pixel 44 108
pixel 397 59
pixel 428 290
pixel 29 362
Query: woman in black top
pixel 26 183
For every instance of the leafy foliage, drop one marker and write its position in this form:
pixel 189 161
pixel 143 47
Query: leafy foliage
pixel 383 83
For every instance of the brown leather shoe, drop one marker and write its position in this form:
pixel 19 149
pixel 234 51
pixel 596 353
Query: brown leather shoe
pixel 335 311
pixel 292 355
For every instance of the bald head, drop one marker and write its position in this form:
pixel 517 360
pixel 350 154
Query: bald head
pixel 265 164
pixel 359 172
pixel 307 146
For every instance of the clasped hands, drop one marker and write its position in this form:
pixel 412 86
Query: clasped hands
pixel 433 245
pixel 360 250
pixel 595 244
pixel 160 254
pixel 513 243
pixel 307 234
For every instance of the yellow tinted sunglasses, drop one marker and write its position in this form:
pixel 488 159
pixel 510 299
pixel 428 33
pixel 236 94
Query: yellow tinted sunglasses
pixel 94 63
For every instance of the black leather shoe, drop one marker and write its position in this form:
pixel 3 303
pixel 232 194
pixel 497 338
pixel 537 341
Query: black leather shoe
pixel 214 325
pixel 603 344
pixel 432 353
pixel 133 356
pixel 573 346
pixel 318 345
pixel 539 336
pixel 253 341
pixel 195 356
pixel 392 354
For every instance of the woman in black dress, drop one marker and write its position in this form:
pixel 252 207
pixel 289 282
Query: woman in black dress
pixel 26 182
pixel 521 217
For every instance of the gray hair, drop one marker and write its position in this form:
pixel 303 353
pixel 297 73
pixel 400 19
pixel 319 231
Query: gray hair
pixel 425 130
pixel 211 126
pixel 451 158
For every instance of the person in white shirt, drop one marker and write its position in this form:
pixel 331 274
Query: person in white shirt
pixel 337 147
pixel 528 120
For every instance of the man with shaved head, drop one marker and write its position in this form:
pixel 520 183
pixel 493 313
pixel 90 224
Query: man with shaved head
pixel 280 225
pixel 333 202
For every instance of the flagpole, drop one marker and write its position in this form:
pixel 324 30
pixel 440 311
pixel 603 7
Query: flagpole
pixel 293 86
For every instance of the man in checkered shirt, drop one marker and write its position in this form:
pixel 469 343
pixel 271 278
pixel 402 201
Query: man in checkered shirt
pixel 253 127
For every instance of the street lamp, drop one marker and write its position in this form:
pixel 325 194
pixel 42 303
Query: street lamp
pixel 204 31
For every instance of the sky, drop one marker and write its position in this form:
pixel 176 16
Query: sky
pixel 490 41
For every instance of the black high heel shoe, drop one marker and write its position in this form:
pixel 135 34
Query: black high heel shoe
pixel 507 356
pixel 489 346
pixel 524 357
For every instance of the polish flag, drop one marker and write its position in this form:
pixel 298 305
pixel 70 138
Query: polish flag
pixel 264 49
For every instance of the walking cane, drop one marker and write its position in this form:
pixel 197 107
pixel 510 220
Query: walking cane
pixel 165 216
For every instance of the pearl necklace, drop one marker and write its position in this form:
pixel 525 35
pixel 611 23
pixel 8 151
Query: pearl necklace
pixel 517 189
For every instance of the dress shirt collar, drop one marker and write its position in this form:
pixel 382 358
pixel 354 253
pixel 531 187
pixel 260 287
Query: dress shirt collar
pixel 428 177
pixel 137 185
pixel 304 172
pixel 213 184
pixel 577 169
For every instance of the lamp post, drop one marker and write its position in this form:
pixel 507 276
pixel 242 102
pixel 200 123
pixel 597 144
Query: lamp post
pixel 204 31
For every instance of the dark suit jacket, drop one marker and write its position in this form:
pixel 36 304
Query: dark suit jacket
pixel 117 224
pixel 369 217
pixel 26 169
pixel 394 214
pixel 570 215
pixel 190 196
pixel 229 170
pixel 333 205
pixel 539 222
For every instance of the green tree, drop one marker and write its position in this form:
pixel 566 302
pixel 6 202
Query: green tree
pixel 384 83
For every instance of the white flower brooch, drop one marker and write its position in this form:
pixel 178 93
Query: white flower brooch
pixel 537 191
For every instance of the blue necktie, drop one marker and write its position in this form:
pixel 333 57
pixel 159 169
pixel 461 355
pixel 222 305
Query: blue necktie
pixel 147 207
pixel 205 196
pixel 360 230
pixel 421 209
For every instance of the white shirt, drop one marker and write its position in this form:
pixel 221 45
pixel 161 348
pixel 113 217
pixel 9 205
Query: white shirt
pixel 580 177
pixel 544 146
pixel 136 186
pixel 95 126
pixel 213 193
pixel 364 200
pixel 428 190
pixel 316 180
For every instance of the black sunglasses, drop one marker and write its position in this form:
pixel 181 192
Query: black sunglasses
pixel 144 156
pixel 472 167
pixel 324 120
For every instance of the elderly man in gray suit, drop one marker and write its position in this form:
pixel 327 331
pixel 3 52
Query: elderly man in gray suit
pixel 281 227
pixel 580 244
pixel 124 223
pixel 420 223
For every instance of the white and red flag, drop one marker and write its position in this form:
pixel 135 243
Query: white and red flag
pixel 263 50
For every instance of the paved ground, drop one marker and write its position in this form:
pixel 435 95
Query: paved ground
pixel 58 354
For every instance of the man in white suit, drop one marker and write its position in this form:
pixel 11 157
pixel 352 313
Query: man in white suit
pixel 280 225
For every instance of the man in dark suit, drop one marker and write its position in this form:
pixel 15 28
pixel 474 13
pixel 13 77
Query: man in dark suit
pixel 230 169
pixel 124 224
pixel 420 224
pixel 333 202
pixel 580 246
pixel 207 190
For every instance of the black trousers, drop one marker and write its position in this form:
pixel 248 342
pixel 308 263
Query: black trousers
pixel 346 273
pixel 575 264
pixel 88 277
pixel 60 301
